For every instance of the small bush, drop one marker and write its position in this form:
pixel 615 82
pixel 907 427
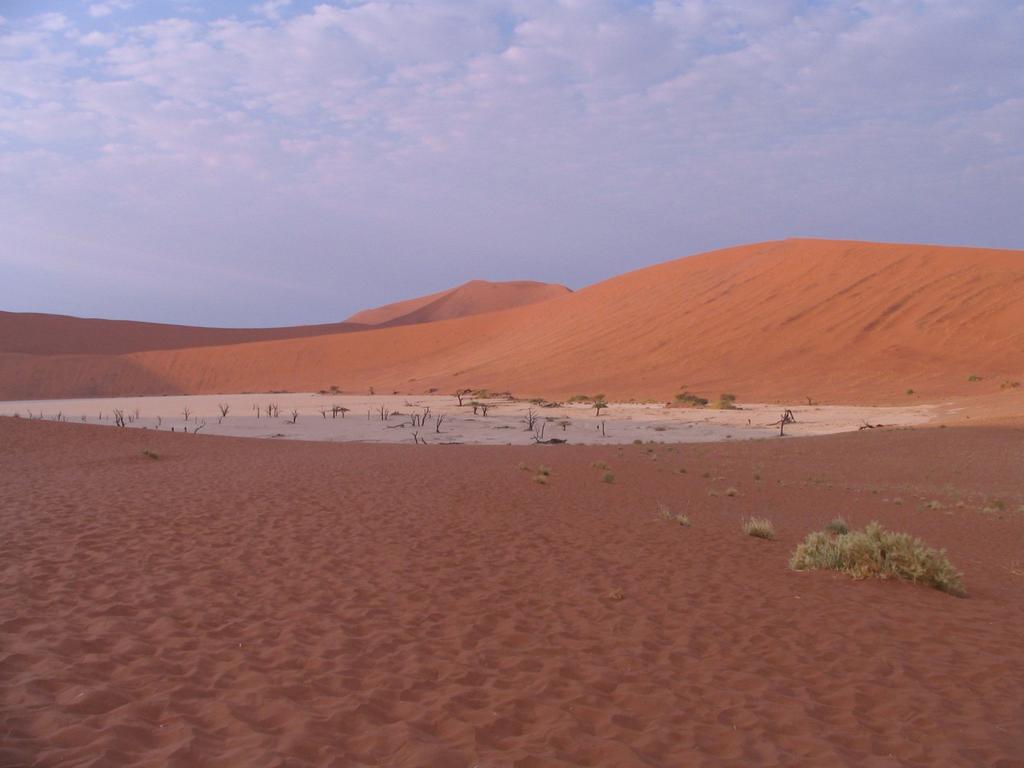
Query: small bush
pixel 759 527
pixel 910 391
pixel 540 479
pixel 542 470
pixel 599 464
pixel 151 455
pixel 837 526
pixel 731 492
pixel 607 477
pixel 688 398
pixel 1010 385
pixel 974 377
pixel 726 402
pixel 878 553
pixel 523 465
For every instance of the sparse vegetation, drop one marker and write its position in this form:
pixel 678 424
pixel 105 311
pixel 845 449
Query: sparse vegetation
pixel 540 479
pixel 150 454
pixel 726 402
pixel 542 470
pixel 878 553
pixel 974 377
pixel 599 464
pixel 1010 385
pixel 688 398
pixel 608 477
pixel 837 526
pixel 671 516
pixel 910 391
pixel 759 527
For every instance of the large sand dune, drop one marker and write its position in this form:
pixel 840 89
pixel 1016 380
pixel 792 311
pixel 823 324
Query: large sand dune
pixel 830 320
pixel 251 603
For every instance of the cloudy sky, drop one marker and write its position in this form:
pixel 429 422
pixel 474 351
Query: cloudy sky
pixel 265 163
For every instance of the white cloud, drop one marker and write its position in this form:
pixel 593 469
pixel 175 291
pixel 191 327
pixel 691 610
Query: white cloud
pixel 518 132
pixel 271 9
pixel 106 8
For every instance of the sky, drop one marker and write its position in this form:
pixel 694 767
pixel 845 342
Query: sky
pixel 275 163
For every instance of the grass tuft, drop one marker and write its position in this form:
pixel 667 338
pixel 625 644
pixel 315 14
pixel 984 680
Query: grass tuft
pixel 878 553
pixel 671 516
pixel 759 527
pixel 838 526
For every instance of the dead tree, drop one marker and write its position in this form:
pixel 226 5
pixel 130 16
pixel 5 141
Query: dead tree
pixel 119 417
pixel 598 405
pixel 186 412
pixel 438 422
pixel 461 394
pixel 787 418
pixel 295 416
pixel 323 412
pixel 224 408
pixel 531 419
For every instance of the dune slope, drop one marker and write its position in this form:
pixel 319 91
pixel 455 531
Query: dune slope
pixel 472 298
pixel 830 320
pixel 33 333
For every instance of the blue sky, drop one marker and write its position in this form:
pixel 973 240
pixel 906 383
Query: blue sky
pixel 265 163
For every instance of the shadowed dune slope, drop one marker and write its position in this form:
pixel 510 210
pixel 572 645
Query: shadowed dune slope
pixel 832 320
pixel 33 333
pixel 472 298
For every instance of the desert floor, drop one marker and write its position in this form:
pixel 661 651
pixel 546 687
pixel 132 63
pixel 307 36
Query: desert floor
pixel 504 424
pixel 265 603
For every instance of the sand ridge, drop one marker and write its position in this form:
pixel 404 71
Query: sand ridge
pixel 834 321
pixel 243 602
pixel 472 298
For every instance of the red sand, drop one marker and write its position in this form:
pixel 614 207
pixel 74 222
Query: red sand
pixel 252 603
pixel 472 298
pixel 31 333
pixel 835 321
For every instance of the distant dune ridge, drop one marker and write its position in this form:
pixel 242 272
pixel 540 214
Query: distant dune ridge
pixel 472 298
pixel 830 320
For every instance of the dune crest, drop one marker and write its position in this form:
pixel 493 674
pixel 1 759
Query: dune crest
pixel 472 298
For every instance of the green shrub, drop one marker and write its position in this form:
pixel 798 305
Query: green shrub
pixel 607 477
pixel 726 402
pixel 878 553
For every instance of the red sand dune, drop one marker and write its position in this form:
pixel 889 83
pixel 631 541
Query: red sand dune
pixel 252 603
pixel 832 320
pixel 472 298
pixel 34 333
